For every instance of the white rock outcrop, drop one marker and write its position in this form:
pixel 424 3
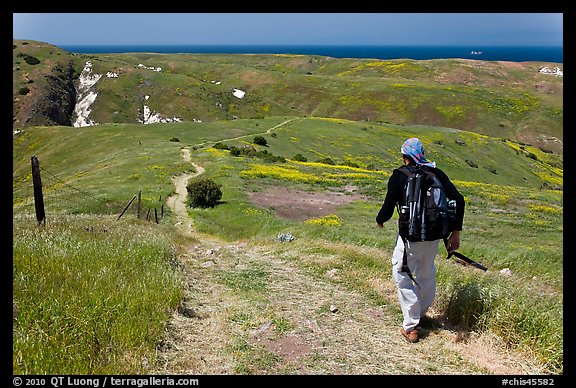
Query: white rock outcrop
pixel 554 71
pixel 86 95
pixel 239 93
pixel 150 117
pixel 158 69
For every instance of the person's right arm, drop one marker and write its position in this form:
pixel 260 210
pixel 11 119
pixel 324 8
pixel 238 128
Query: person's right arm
pixel 392 197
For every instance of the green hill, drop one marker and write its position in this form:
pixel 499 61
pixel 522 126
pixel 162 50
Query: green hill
pixel 97 294
pixel 501 99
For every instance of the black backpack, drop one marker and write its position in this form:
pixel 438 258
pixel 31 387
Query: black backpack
pixel 426 213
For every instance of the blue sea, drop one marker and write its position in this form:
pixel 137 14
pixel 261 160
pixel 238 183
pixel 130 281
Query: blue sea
pixel 487 53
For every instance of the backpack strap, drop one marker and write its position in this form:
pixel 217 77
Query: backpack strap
pixel 405 169
pixel 405 267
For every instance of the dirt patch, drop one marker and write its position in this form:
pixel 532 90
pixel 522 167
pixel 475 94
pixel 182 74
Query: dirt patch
pixel 299 205
pixel 511 65
pixel 291 348
pixel 255 79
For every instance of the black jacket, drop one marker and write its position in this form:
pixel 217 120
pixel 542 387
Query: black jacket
pixel 394 196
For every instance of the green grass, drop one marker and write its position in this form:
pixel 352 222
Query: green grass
pixel 513 220
pixel 90 295
pixel 506 226
pixel 253 359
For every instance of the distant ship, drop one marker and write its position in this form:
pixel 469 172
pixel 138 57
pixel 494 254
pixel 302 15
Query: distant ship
pixel 475 52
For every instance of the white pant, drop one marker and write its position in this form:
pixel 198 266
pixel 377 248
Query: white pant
pixel 415 301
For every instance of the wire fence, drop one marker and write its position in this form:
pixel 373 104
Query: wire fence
pixel 55 191
pixel 60 196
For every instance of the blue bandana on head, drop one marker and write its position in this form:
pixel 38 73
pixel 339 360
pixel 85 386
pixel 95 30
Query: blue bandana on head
pixel 413 148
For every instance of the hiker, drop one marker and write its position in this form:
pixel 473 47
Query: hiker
pixel 417 293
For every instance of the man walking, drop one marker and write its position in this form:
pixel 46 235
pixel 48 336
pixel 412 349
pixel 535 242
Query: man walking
pixel 416 295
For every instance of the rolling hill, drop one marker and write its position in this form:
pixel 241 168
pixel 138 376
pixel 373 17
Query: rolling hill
pixel 217 290
pixel 510 100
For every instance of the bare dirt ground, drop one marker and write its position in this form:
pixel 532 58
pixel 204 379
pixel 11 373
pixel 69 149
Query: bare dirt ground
pixel 301 205
pixel 257 309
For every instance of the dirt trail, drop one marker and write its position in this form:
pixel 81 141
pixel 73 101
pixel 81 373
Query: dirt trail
pixel 267 132
pixel 177 202
pixel 259 309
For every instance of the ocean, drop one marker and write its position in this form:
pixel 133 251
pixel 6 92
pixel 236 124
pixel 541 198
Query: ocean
pixel 487 53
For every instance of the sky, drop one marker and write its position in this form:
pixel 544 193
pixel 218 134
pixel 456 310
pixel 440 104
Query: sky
pixel 503 29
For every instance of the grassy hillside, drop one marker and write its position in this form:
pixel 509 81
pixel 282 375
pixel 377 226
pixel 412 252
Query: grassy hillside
pixel 513 220
pixel 500 99
pixel 42 84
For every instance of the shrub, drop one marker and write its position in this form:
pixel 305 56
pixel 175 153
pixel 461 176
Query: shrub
pixel 351 164
pixel 24 91
pixel 471 163
pixel 175 139
pixel 220 146
pixel 234 151
pixel 31 60
pixel 371 167
pixel 248 150
pixel 277 158
pixel 262 154
pixel 299 158
pixel 326 161
pixel 203 192
pixel 269 157
pixel 260 140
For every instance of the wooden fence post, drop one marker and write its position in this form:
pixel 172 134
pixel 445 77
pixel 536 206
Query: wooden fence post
pixel 38 197
pixel 156 215
pixel 139 203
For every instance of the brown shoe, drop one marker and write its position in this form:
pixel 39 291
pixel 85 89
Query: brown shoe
pixel 411 337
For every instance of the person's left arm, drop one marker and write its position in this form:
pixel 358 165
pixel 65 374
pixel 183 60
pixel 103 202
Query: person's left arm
pixel 453 193
pixel 453 241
